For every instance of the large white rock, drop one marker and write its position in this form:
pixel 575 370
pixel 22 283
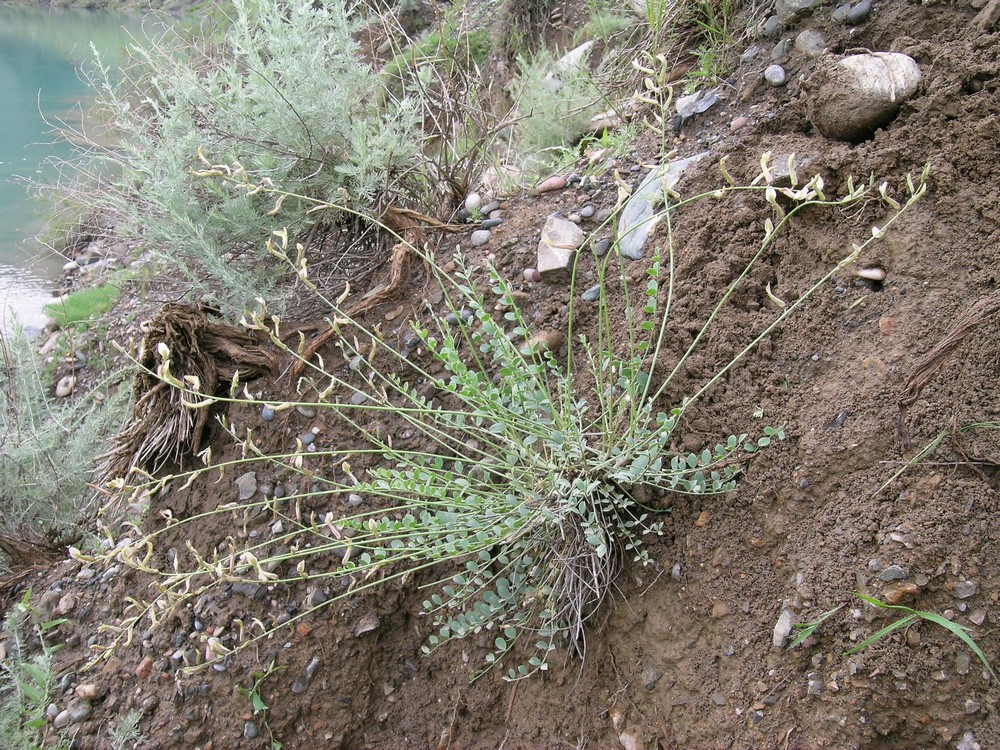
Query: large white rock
pixel 850 99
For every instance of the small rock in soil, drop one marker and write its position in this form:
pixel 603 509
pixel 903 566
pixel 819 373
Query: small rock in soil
pixel 790 10
pixel 67 603
pixel 968 742
pixel 544 341
pixel 601 247
pixel 490 208
pixel 250 731
pixel 593 294
pixel 772 26
pixel 480 237
pixel 473 201
pixel 555 182
pixel 302 683
pixel 65 386
pixel 90 691
pixel 858 13
pixel 783 628
pixel 267 414
pixel 491 223
pixel 810 43
pixel 814 685
pixel 62 719
pixel 366 624
pixel 145 667
pixel 531 274
pixel 892 573
pixel 246 485
pixel 79 710
pixel 306 411
pixel 359 398
pixel 963 663
pixel 965 589
pixel 738 124
pixel 978 616
pixel 587 211
pixel 972 706
pixel 775 75
pixel 308 438
pixel 559 243
pixel 651 676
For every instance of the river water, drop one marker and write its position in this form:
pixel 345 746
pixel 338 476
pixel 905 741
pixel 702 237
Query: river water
pixel 41 51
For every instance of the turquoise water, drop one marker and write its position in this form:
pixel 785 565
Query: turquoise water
pixel 41 51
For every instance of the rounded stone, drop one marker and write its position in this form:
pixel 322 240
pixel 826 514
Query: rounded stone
pixel 592 294
pixel 587 211
pixel 308 438
pixel 267 414
pixel 250 731
pixel 858 13
pixel 775 75
pixel 480 237
pixel 532 274
pixel 473 202
pixel 810 43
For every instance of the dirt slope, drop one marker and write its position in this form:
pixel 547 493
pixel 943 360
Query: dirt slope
pixel 683 656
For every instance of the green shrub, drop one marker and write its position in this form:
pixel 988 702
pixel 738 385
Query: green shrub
pixel 47 448
pixel 27 681
pixel 285 93
pixel 556 105
pixel 83 306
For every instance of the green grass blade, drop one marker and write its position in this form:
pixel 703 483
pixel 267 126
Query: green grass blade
pixel 902 622
pixel 961 632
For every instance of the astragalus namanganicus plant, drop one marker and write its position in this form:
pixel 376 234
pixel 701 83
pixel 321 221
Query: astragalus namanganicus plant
pixel 517 483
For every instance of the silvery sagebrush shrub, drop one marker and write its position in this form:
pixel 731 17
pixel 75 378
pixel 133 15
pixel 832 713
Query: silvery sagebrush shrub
pixel 283 90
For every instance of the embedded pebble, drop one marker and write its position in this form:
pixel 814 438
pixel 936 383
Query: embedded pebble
pixel 783 628
pixel 601 247
pixel 308 438
pixel 963 663
pixel 144 668
pixel 892 573
pixel 354 500
pixel 366 624
pixel 738 124
pixel 490 223
pixel 978 616
pixel 810 43
pixel 62 719
pixel 490 208
pixel 79 710
pixel 555 182
pixel 603 215
pixel 592 294
pixel 359 398
pixel 775 75
pixel 972 706
pixel 575 218
pixel 858 13
pixel 65 386
pixel 772 26
pixel 532 274
pixel 250 731
pixel 968 742
pixel 814 685
pixel 587 211
pixel 306 411
pixel 465 315
pixel 480 237
pixel 267 414
pixel 67 603
pixel 965 589
pixel 302 683
pixel 246 485
pixel 473 201
pixel 277 527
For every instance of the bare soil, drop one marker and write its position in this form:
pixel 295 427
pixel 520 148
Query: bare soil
pixel 682 656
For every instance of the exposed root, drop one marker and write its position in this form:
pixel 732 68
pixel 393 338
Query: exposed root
pixel 162 429
pixel 928 366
